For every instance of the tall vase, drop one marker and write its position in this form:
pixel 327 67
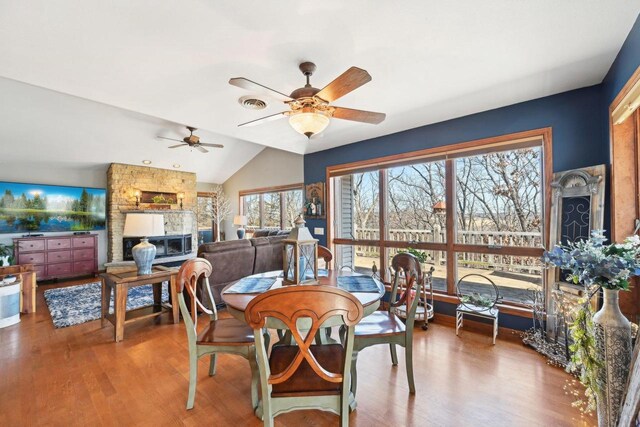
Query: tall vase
pixel 613 348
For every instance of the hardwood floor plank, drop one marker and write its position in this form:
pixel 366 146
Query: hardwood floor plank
pixel 78 376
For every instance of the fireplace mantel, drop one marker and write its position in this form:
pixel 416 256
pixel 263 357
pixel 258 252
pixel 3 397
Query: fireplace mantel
pixel 157 211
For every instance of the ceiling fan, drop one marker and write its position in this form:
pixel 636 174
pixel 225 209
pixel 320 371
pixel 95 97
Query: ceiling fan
pixel 310 112
pixel 192 141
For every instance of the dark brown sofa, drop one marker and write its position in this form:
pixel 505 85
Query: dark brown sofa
pixel 235 259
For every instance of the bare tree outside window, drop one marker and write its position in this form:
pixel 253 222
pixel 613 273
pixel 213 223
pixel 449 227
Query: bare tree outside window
pixel 292 207
pixel 217 209
pixel 271 210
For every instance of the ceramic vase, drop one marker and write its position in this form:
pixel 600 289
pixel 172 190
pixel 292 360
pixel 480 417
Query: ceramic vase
pixel 613 348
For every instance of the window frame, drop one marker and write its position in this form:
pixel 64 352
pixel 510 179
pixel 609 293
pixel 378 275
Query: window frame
pixel 541 137
pixel 281 189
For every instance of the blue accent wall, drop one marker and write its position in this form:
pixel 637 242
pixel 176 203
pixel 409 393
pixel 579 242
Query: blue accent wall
pixel 625 64
pixel 578 118
pixel 575 117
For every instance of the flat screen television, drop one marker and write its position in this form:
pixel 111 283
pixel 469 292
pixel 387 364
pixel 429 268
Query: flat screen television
pixel 50 208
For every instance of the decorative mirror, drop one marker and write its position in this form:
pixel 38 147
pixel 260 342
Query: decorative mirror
pixel 577 208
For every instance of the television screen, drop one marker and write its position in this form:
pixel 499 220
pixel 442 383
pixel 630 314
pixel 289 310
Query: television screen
pixel 49 208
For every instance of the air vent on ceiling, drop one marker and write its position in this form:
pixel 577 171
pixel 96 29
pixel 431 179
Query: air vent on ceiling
pixel 252 103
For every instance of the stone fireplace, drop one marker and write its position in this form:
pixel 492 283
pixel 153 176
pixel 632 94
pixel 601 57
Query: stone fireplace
pixel 122 183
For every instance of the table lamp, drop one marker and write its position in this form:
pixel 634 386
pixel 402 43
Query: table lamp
pixel 240 220
pixel 143 226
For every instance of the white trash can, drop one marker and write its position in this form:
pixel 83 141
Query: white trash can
pixel 9 302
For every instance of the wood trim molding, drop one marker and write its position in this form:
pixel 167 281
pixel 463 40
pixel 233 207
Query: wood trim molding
pixel 272 189
pixel 473 147
pixel 635 77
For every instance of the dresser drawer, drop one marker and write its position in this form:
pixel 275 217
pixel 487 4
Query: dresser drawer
pixel 83 254
pixel 83 242
pixel 31 258
pixel 81 267
pixel 64 243
pixel 59 269
pixel 30 245
pixel 41 271
pixel 58 256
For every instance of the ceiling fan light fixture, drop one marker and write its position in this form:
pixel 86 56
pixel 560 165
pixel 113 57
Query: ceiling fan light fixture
pixel 309 123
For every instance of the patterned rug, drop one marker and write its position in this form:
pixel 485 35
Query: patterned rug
pixel 74 305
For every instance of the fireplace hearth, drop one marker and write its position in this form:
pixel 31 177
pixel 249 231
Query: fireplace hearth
pixel 166 246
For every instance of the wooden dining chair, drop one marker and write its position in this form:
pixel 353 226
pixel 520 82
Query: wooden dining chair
pixel 385 327
pixel 326 254
pixel 304 375
pixel 219 335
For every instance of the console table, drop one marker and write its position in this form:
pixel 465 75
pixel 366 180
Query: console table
pixel 119 284
pixel 27 275
pixel 58 256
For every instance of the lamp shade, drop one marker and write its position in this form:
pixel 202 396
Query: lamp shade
pixel 143 225
pixel 239 220
pixel 309 123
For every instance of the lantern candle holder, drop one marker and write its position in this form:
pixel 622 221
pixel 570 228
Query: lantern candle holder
pixel 300 256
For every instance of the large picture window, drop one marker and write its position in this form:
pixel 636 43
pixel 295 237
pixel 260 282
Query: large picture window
pixel 271 208
pixel 475 207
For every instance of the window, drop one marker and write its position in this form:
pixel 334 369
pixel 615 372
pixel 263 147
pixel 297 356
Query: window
pixel 475 207
pixel 275 208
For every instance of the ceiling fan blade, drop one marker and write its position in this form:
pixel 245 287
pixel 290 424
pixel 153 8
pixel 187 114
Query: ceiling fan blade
pixel 179 145
pixel 170 139
pixel 264 119
pixel 212 145
pixel 200 148
pixel 348 81
pixel 358 115
pixel 252 86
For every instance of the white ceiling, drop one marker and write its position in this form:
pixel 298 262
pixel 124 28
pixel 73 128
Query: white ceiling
pixel 430 61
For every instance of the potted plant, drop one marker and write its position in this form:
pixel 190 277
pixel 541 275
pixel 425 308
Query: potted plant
pixel 601 349
pixel 6 255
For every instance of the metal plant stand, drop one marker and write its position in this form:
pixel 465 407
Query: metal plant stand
pixel 477 302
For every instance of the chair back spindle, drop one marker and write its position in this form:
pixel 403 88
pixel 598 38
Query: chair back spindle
pixel 190 275
pixel 309 304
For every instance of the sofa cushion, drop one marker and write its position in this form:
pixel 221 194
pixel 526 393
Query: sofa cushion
pixel 260 233
pixel 223 246
pixel 230 261
pixel 268 253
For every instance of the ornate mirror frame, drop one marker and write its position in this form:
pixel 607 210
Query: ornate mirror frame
pixel 577 208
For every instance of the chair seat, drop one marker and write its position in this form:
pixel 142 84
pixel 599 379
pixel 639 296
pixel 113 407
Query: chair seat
pixel 380 323
pixel 305 381
pixel 226 331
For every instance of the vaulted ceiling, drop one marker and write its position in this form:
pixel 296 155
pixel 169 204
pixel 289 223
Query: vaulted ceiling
pixel 165 64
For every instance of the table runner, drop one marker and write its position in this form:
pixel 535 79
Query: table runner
pixel 358 284
pixel 251 285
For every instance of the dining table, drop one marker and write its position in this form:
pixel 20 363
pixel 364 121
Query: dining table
pixel 238 300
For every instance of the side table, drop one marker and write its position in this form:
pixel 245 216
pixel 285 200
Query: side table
pixel 119 284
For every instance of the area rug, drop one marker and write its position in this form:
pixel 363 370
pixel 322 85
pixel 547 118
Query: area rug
pixel 74 305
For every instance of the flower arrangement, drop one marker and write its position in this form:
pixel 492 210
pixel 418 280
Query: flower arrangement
pixel 594 265
pixel 591 262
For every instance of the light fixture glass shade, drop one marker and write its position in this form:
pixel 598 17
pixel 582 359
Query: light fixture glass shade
pixel 143 225
pixel 309 123
pixel 239 220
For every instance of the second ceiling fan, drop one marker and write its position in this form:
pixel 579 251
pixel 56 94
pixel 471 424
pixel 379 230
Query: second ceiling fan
pixel 310 112
pixel 192 141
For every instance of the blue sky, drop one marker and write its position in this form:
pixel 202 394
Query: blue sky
pixel 30 190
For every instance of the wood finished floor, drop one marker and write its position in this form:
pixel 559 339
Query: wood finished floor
pixel 78 376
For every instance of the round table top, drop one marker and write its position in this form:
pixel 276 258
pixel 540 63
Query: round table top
pixel 368 300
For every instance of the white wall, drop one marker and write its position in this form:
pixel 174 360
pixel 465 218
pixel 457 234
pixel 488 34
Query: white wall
pixel 269 168
pixel 40 173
